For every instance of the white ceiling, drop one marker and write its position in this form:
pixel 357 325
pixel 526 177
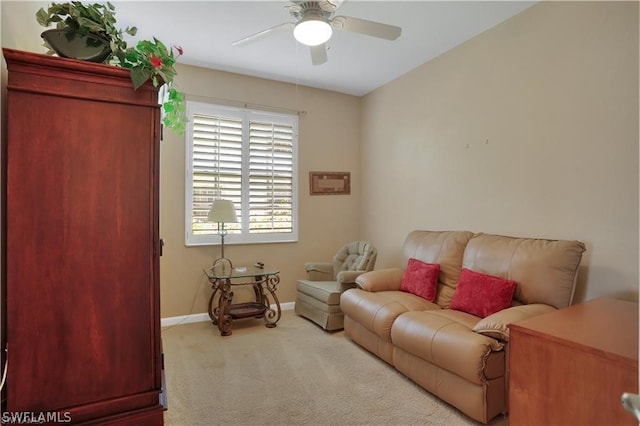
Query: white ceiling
pixel 357 64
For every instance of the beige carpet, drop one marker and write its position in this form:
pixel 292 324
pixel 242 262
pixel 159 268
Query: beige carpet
pixel 294 374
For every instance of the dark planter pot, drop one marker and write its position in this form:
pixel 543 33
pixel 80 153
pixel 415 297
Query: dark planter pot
pixel 71 44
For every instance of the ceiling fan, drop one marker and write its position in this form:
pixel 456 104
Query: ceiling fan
pixel 313 25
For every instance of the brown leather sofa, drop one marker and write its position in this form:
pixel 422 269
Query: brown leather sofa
pixel 457 356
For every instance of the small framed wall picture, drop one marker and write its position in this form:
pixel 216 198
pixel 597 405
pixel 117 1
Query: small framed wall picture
pixel 330 183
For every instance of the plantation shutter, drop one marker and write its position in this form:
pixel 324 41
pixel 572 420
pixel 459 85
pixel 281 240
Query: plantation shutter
pixel 248 157
pixel 217 168
pixel 270 177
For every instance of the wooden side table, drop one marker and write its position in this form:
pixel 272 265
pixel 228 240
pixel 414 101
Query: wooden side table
pixel 264 282
pixel 571 366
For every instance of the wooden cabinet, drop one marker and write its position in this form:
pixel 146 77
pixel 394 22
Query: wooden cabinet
pixel 571 366
pixel 81 261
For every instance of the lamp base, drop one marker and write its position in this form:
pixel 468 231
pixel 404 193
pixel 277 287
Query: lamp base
pixel 222 267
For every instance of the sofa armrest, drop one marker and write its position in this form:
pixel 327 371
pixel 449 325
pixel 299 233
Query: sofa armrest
pixel 497 325
pixel 319 271
pixel 380 280
pixel 348 277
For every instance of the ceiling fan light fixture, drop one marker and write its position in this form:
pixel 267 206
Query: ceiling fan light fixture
pixel 312 31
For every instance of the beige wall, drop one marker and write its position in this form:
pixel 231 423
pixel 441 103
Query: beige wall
pixel 19 29
pixel 328 140
pixel 530 129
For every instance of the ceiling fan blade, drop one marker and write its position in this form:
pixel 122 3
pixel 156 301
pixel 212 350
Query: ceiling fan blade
pixel 335 3
pixel 262 33
pixel 318 54
pixel 362 26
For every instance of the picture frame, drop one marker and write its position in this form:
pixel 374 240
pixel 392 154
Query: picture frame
pixel 330 183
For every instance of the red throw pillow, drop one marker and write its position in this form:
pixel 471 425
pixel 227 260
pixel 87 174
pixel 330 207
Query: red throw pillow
pixel 421 279
pixel 482 295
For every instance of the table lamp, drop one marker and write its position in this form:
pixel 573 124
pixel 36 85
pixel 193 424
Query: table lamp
pixel 222 211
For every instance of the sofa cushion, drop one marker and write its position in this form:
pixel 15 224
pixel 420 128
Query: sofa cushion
pixel 445 338
pixel 481 294
pixel 545 270
pixel 377 311
pixel 421 279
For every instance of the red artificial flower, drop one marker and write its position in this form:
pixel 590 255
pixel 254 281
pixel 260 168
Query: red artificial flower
pixel 156 62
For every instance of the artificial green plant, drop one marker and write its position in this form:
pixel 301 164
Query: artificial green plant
pixel 147 60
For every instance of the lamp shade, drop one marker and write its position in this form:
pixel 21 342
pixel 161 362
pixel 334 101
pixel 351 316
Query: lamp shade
pixel 222 211
pixel 312 31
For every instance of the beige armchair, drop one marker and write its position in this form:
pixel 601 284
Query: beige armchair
pixel 318 297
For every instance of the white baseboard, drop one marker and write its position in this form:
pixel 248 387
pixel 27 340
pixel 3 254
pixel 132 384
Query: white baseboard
pixel 186 319
pixel 288 306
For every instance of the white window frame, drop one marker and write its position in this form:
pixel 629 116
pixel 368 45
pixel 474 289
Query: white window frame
pixel 241 234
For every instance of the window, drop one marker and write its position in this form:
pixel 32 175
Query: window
pixel 248 157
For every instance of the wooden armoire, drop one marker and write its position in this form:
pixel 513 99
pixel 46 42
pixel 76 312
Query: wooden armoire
pixel 81 303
